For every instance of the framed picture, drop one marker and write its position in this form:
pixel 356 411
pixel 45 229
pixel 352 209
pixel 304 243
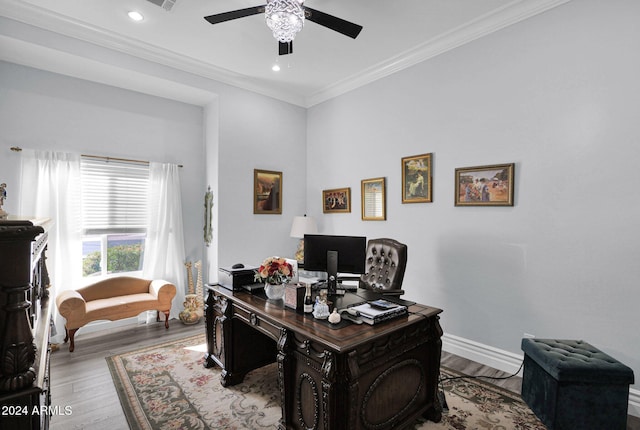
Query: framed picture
pixel 336 201
pixel 267 192
pixel 374 201
pixel 485 185
pixel 416 179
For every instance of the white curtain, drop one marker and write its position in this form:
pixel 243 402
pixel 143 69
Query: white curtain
pixel 164 254
pixel 50 188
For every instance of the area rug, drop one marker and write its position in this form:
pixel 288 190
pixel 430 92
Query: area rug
pixel 166 387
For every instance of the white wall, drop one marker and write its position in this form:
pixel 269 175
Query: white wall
pixel 42 110
pixel 559 96
pixel 239 131
pixel 219 146
pixel 259 133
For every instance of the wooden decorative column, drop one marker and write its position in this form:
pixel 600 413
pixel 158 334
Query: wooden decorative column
pixel 17 351
pixel 25 321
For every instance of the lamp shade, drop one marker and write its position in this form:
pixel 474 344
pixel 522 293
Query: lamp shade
pixel 303 225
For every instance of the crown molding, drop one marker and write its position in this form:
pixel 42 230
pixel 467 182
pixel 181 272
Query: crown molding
pixel 63 63
pixel 513 12
pixel 498 19
pixel 32 15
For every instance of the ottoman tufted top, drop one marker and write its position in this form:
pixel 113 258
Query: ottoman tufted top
pixel 576 360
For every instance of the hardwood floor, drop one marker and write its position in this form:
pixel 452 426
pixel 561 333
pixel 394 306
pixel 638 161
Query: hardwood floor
pixel 469 367
pixel 82 380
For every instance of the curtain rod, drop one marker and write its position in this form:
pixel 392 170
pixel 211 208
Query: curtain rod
pixel 18 149
pixel 126 160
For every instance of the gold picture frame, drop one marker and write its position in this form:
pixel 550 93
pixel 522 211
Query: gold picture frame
pixel 485 185
pixel 417 179
pixel 267 192
pixel 374 201
pixel 337 200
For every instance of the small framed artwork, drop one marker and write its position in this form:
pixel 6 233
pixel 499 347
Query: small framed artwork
pixel 374 200
pixel 336 201
pixel 416 179
pixel 267 192
pixel 485 185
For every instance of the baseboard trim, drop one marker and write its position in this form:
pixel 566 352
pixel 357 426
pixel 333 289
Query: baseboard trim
pixel 634 402
pixel 483 354
pixel 506 361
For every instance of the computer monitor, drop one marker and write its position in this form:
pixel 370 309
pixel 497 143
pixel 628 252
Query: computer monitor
pixel 351 253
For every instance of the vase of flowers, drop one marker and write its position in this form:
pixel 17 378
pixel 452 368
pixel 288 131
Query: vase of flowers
pixel 274 272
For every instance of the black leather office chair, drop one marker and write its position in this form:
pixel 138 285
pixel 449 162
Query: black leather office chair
pixel 385 264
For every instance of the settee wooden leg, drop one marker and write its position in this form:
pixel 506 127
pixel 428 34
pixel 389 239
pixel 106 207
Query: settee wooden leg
pixel 157 316
pixel 71 334
pixel 166 319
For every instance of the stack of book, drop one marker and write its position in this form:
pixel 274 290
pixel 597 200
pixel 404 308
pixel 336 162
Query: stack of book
pixel 379 310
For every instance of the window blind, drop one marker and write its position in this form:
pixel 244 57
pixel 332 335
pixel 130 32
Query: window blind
pixel 114 196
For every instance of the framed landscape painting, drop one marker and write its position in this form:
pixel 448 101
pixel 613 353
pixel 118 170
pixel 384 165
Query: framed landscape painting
pixel 416 179
pixel 267 192
pixel 336 201
pixel 485 185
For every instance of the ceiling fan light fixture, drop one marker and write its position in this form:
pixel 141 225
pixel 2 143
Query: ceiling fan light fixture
pixel 285 18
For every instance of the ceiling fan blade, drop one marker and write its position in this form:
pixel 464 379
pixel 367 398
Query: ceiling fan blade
pixel 235 14
pixel 285 48
pixel 334 23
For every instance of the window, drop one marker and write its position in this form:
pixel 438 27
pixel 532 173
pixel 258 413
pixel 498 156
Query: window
pixel 114 215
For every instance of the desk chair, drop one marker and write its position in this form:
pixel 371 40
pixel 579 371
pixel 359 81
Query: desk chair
pixel 385 263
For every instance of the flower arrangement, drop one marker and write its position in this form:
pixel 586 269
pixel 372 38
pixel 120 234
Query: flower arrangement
pixel 274 270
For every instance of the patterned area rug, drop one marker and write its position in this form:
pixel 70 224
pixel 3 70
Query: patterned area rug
pixel 167 387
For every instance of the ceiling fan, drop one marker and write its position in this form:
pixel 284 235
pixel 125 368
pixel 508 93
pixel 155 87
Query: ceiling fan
pixel 286 18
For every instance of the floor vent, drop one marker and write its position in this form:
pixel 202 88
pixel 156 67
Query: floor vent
pixel 165 4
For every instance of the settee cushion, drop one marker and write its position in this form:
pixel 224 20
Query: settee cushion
pixel 119 307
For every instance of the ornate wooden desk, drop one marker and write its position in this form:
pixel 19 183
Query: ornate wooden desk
pixel 353 377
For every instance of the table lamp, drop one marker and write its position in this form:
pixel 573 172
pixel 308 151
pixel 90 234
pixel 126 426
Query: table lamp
pixel 302 225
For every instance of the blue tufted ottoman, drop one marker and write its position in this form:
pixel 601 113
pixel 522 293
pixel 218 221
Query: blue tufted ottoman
pixel 571 385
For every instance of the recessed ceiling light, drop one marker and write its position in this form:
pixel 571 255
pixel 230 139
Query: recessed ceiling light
pixel 275 68
pixel 135 15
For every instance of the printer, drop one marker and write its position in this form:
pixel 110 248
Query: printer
pixel 236 278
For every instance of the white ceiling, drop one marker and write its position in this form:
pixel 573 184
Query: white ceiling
pixel 396 34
